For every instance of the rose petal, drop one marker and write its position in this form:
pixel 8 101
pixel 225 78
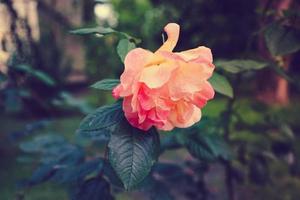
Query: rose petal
pixel 201 54
pixel 156 76
pixel 172 31
pixel 184 115
pixel 188 79
pixel 206 93
pixel 134 64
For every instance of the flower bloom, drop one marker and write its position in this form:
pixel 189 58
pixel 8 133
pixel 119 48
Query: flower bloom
pixel 165 89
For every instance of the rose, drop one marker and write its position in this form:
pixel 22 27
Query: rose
pixel 165 89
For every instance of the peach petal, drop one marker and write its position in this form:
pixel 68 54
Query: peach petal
pixel 157 75
pixel 134 64
pixel 201 54
pixel 200 98
pixel 172 31
pixel 188 79
pixel 168 126
pixel 185 115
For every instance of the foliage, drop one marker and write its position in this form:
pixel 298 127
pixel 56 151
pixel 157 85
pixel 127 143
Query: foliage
pixel 238 66
pixel 282 39
pixel 23 88
pixel 106 84
pixel 132 153
pixel 221 85
pixel 246 149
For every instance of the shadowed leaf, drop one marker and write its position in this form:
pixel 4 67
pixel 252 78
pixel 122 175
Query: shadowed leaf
pixel 132 153
pixel 221 85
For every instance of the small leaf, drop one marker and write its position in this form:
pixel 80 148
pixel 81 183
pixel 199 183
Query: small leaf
pixel 237 66
pixel 124 46
pixel 94 30
pixel 209 132
pixel 102 31
pixel 282 39
pixel 68 99
pixel 221 85
pixel 204 142
pixel 132 153
pixel 218 146
pixel 93 189
pixel 42 142
pixel 43 77
pixel 98 122
pixel 106 84
pixel 199 149
pixel 24 68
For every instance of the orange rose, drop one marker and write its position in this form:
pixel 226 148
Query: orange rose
pixel 165 89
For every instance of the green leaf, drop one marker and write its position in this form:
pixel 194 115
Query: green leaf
pixel 207 147
pixel 68 100
pixel 36 74
pixel 132 152
pixel 124 46
pixel 102 31
pixel 199 149
pixel 237 66
pixel 93 189
pixel 282 39
pixel 203 140
pixel 106 84
pixel 42 142
pixel 221 85
pixel 43 77
pixel 218 146
pixel 98 122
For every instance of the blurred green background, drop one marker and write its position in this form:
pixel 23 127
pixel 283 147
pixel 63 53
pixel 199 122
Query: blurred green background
pixel 46 73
